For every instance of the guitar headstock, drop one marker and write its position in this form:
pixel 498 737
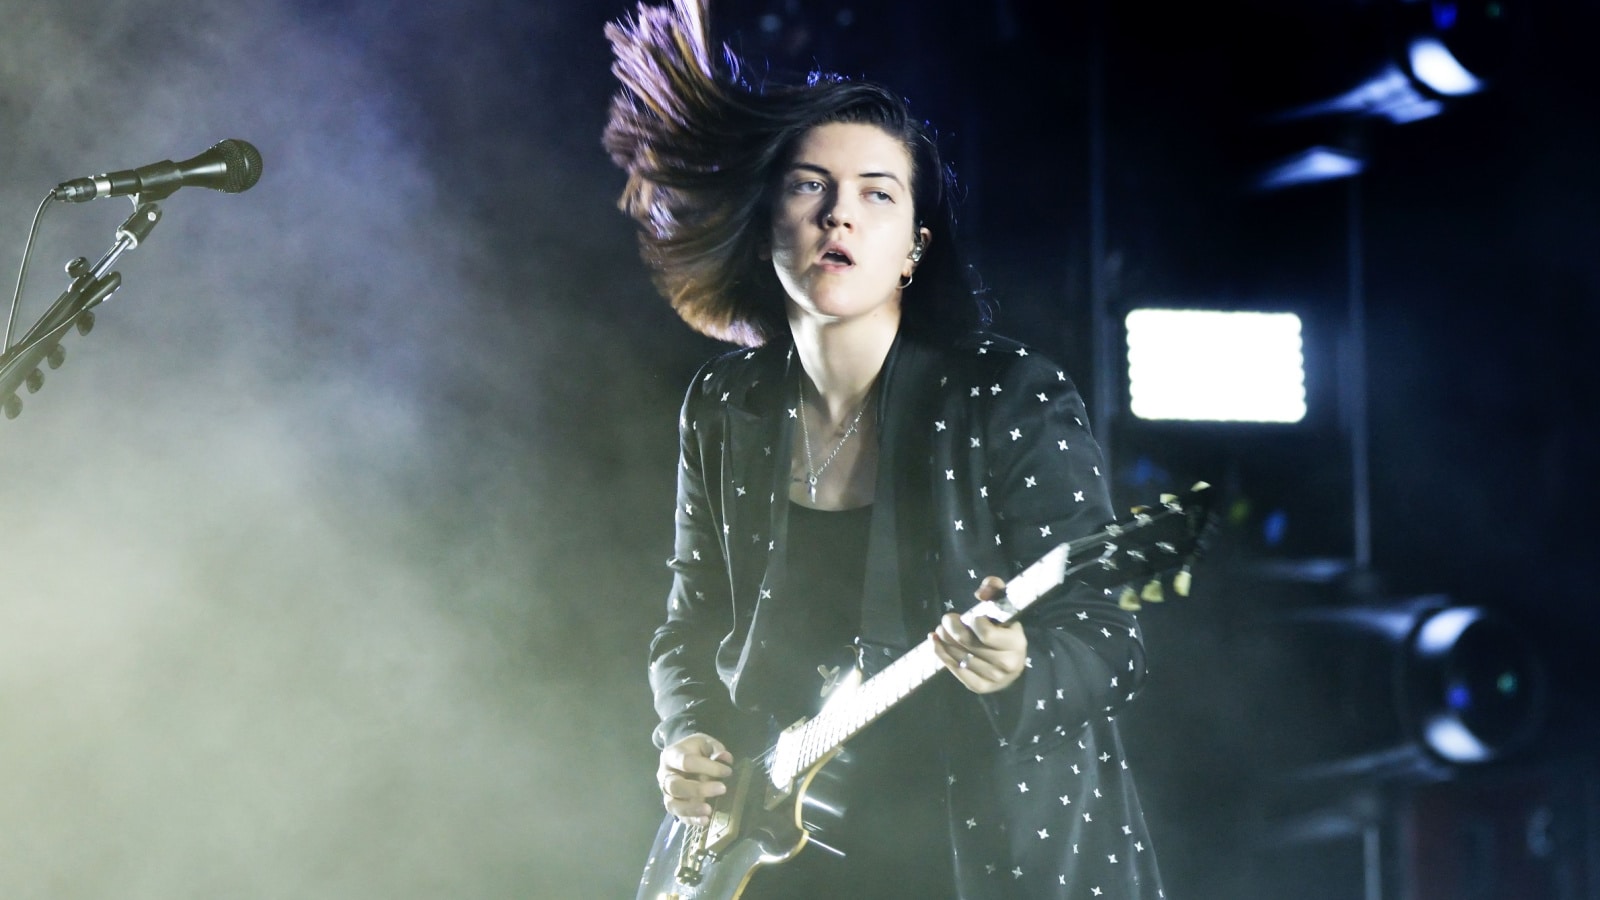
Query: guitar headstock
pixel 1148 544
pixel 1152 543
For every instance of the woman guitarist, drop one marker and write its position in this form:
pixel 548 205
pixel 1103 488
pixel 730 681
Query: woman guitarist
pixel 865 463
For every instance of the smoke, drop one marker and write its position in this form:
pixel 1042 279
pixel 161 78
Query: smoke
pixel 331 551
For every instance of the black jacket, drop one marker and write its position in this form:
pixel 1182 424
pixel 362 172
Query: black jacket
pixel 986 463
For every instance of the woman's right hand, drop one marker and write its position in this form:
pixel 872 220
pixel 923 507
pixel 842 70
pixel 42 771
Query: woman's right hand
pixel 691 773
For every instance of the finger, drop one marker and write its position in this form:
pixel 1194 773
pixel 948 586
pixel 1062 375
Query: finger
pixel 948 653
pixel 989 633
pixel 698 812
pixel 700 767
pixel 974 669
pixel 680 787
pixel 689 798
pixel 963 662
pixel 714 750
pixel 990 588
pixel 949 650
pixel 952 629
pixel 698 755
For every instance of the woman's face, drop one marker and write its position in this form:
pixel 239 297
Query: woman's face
pixel 844 225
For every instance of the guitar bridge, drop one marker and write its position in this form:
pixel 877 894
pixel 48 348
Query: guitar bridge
pixel 693 856
pixel 702 842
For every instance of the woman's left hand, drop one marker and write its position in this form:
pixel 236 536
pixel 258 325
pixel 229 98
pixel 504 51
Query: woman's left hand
pixel 987 657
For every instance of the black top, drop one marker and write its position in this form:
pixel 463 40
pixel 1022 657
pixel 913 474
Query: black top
pixel 827 563
pixel 889 778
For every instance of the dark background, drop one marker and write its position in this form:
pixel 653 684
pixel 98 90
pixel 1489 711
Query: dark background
pixel 335 547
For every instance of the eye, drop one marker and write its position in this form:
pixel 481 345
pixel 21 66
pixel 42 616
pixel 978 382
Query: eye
pixel 880 196
pixel 809 186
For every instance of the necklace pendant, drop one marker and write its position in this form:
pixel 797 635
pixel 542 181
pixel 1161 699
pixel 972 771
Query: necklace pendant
pixel 811 482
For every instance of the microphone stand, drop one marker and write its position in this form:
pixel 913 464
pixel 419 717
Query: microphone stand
pixel 91 285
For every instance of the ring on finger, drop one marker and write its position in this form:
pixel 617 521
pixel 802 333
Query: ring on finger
pixel 965 660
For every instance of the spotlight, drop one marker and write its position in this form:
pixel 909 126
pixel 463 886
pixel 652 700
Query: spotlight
pixel 1413 690
pixel 1432 52
pixel 1394 713
pixel 1434 66
pixel 1452 49
pixel 1474 686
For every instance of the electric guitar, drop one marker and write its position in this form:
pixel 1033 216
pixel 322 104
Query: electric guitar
pixel 772 806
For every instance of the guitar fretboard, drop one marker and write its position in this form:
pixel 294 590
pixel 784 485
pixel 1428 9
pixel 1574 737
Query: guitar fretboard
pixel 844 717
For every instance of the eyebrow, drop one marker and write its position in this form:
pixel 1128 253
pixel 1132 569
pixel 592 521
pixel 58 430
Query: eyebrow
pixel 813 167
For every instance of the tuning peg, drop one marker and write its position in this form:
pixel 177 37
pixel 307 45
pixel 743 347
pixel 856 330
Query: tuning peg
pixel 85 322
pixel 1182 581
pixel 1140 510
pixel 1168 499
pixel 56 356
pixel 34 381
pixel 1152 592
pixel 1129 600
pixel 12 406
pixel 1200 486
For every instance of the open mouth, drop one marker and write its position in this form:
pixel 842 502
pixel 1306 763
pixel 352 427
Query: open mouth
pixel 837 256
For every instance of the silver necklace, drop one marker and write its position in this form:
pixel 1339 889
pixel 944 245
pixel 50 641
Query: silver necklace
pixel 813 473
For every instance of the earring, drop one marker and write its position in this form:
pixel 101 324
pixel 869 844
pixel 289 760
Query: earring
pixel 905 281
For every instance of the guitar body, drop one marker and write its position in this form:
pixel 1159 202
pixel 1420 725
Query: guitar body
pixel 721 876
pixel 752 826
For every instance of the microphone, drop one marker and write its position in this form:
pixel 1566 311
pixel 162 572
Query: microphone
pixel 230 166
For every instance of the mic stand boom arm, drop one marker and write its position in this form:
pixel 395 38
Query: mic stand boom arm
pixel 91 285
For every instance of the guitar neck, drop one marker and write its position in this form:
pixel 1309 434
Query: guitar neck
pixel 1150 542
pixel 804 746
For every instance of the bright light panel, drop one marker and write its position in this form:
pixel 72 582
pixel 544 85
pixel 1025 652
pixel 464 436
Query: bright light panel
pixel 1216 366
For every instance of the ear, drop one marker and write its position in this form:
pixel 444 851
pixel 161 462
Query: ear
pixel 920 240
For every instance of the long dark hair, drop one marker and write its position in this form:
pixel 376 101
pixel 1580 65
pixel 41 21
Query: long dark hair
pixel 703 152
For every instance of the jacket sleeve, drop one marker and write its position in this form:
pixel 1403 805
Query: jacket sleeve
pixel 1048 485
pixel 689 695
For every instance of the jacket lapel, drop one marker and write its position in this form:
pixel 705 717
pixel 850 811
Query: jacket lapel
pixel 897 538
pixel 758 434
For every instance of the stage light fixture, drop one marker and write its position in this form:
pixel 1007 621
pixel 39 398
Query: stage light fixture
pixel 1387 94
pixel 1215 365
pixel 1433 52
pixel 1310 166
pixel 1474 685
pixel 1438 69
pixel 1423 687
pixel 1453 49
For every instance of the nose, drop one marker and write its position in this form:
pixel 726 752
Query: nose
pixel 837 214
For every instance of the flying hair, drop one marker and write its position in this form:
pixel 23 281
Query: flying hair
pixel 701 150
